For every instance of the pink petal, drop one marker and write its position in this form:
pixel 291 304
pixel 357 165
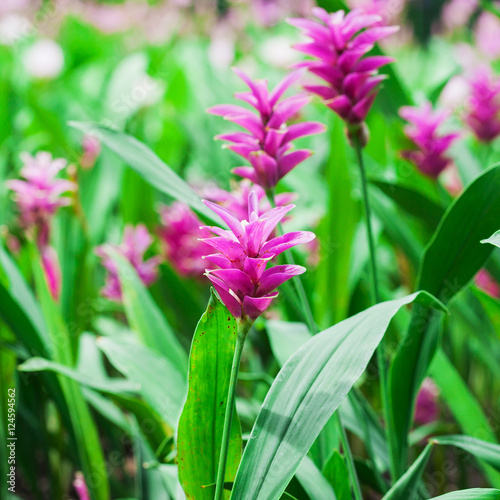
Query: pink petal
pixel 286 241
pixel 274 277
pixel 291 160
pixel 255 306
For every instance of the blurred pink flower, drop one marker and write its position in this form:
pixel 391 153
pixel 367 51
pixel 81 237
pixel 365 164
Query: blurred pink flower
pixel 243 283
pixel 39 197
pixel 91 148
pixel 180 235
pixel 485 281
pixel 81 487
pixel 483 105
pixel 426 406
pixel 133 247
pixel 267 146
pixel 338 44
pixel 456 13
pixel 40 194
pixel 430 146
pixel 487 34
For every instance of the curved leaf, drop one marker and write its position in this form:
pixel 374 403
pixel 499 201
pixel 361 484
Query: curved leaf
pixel 305 394
pixel 451 259
pixel 471 494
pixel 147 164
pixel 201 423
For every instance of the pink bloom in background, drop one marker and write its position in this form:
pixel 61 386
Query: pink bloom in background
pixel 456 13
pixel 483 105
pixel 338 43
pixel 268 143
pixel 136 240
pixel 487 34
pixel 244 284
pixel 426 406
pixel 40 194
pixel 236 200
pixel 38 197
pixel 91 149
pixel 429 155
pixel 180 235
pixel 485 281
pixel 81 487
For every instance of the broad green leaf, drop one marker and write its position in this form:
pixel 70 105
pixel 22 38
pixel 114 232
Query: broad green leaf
pixel 408 484
pixel 494 239
pixel 305 394
pixel 19 309
pixel 84 430
pixel 335 470
pixel 336 233
pixel 463 405
pixel 488 452
pixel 200 426
pixel 451 259
pixel 111 385
pixel 286 338
pixel 313 482
pixel 161 384
pixel 146 319
pixel 471 494
pixel 147 164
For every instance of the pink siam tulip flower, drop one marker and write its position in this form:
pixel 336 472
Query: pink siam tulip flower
pixel 487 34
pixel 485 281
pixel 91 149
pixel 180 234
pixel 81 487
pixel 426 407
pixel 430 146
pixel 338 43
pixel 40 195
pixel 268 143
pixel 483 115
pixel 244 284
pixel 135 243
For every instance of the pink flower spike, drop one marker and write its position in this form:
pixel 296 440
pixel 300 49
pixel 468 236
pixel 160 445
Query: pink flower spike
pixel 51 270
pixel 426 406
pixel 430 146
pixel 483 105
pixel 135 243
pixel 81 487
pixel 243 283
pixel 338 44
pixel 268 137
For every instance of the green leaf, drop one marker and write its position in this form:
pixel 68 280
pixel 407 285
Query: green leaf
pixel 313 482
pixel 471 494
pixel 463 404
pixel 494 239
pixel 305 394
pixel 451 259
pixel 488 452
pixel 110 386
pixel 146 319
pixel 335 470
pixel 161 384
pixel 336 233
pixel 286 338
pixel 147 164
pixel 407 485
pixel 413 202
pixel 20 310
pixel 84 430
pixel 201 423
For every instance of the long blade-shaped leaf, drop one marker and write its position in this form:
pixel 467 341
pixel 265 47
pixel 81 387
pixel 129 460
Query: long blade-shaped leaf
pixel 305 394
pixel 471 494
pixel 147 164
pixel 452 258
pixel 200 427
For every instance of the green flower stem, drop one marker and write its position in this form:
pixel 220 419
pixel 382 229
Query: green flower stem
pixel 243 330
pixel 351 469
pixel 381 351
